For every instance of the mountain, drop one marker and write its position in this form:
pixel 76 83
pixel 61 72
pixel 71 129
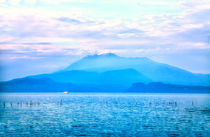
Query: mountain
pixel 47 85
pixel 110 73
pixel 124 77
pixel 32 85
pixel 158 87
pixel 156 72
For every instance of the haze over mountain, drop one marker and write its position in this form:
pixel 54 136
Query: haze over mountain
pixel 109 73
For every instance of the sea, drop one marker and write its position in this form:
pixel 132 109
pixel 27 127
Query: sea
pixel 104 115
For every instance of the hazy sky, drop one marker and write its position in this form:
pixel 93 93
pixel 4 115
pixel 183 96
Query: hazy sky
pixel 40 36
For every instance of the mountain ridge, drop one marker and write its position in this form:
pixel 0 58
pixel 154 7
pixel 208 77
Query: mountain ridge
pixel 112 73
pixel 47 85
pixel 158 72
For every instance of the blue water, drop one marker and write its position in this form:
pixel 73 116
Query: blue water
pixel 105 115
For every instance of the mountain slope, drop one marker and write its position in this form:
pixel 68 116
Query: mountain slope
pixel 47 85
pixel 123 77
pixel 157 87
pixel 110 73
pixel 157 72
pixel 32 85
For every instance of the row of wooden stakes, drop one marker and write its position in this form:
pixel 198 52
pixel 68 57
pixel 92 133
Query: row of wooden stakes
pixel 4 104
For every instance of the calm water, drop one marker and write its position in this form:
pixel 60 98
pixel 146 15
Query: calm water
pixel 126 115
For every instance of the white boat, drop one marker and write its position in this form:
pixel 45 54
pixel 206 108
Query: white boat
pixel 66 92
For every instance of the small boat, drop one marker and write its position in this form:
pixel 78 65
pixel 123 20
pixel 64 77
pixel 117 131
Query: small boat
pixel 66 92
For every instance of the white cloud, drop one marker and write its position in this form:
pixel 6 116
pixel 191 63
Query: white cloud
pixel 73 30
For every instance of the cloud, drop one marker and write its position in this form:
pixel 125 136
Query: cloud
pixel 65 19
pixel 65 28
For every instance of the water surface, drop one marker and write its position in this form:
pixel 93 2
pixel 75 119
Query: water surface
pixel 142 115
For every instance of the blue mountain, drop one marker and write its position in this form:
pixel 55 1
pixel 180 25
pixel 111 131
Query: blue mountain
pixel 158 87
pixel 34 85
pixel 124 77
pixel 111 73
pixel 156 72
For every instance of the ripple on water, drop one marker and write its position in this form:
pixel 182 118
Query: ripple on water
pixel 104 115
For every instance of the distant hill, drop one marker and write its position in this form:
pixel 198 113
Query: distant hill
pixel 110 73
pixel 32 85
pixel 47 85
pixel 157 87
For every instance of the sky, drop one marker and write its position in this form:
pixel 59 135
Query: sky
pixel 43 36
